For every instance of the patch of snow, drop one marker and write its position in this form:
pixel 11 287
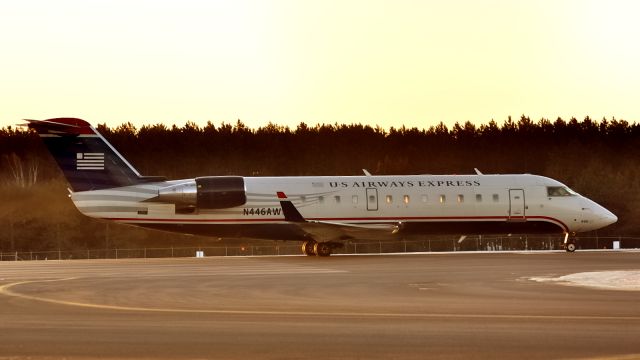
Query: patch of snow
pixel 625 280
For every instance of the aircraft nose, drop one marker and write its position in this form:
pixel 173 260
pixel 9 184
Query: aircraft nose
pixel 606 217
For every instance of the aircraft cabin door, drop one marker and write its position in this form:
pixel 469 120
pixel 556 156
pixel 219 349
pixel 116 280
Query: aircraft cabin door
pixel 372 199
pixel 516 205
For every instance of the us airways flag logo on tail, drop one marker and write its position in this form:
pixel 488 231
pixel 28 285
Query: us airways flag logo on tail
pixel 90 161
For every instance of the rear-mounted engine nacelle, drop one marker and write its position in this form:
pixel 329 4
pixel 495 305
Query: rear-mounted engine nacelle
pixel 211 192
pixel 181 194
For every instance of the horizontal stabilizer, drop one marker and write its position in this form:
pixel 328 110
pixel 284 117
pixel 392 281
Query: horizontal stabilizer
pixel 61 127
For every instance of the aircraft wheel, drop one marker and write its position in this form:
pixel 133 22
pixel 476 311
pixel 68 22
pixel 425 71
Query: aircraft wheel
pixel 571 247
pixel 308 248
pixel 323 249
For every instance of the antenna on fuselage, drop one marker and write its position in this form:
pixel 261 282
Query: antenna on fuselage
pixel 366 172
pixel 478 171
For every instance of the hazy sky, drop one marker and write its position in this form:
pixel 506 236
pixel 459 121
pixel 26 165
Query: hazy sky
pixel 384 63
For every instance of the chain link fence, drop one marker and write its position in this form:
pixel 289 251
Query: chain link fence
pixel 440 244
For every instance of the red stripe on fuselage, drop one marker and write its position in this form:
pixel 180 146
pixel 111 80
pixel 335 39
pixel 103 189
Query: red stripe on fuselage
pixel 395 219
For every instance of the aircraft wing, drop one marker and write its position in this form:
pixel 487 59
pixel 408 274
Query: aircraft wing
pixel 330 230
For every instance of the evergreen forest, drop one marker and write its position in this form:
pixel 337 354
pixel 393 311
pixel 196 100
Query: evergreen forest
pixel 599 159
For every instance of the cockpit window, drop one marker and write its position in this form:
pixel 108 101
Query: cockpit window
pixel 560 191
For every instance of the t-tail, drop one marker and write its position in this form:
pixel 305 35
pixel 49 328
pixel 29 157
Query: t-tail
pixel 86 158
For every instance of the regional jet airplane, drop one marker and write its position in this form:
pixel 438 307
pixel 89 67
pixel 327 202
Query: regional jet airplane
pixel 322 212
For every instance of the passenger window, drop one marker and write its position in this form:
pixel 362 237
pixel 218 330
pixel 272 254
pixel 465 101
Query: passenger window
pixel 303 198
pixel 443 199
pixel 460 199
pixel 337 198
pixel 372 199
pixel 389 199
pixel 424 198
pixel 406 199
pixel 354 199
pixel 496 198
pixel 321 199
pixel 478 197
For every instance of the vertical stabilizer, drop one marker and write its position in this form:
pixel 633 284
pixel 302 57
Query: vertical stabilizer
pixel 87 160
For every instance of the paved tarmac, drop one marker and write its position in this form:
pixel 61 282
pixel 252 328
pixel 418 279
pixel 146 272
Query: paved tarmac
pixel 441 306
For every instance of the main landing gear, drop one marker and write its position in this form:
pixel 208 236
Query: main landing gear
pixel 570 242
pixel 314 248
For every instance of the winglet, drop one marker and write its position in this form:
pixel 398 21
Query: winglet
pixel 290 212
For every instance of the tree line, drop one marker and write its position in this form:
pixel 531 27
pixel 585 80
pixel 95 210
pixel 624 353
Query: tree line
pixel 600 159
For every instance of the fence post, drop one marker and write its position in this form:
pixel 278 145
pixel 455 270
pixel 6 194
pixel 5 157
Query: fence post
pixel 106 235
pixel 11 239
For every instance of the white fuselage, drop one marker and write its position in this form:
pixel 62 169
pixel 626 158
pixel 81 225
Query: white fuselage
pixel 422 203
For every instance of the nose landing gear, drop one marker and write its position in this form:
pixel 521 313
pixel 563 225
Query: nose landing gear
pixel 569 242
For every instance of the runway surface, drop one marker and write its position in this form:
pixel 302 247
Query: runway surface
pixel 444 306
